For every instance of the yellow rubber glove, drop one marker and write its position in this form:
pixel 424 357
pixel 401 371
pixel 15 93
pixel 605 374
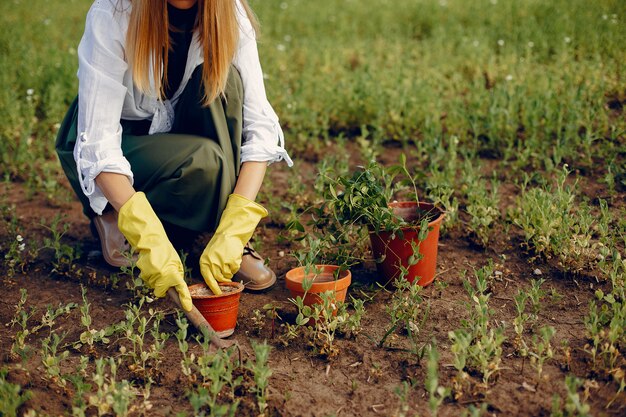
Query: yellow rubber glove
pixel 158 261
pixel 221 258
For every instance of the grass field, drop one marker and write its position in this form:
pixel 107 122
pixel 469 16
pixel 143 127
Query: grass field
pixel 510 115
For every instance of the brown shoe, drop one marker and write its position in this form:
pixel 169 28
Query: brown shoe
pixel 112 240
pixel 253 273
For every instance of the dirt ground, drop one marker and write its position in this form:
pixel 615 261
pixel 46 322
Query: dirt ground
pixel 361 380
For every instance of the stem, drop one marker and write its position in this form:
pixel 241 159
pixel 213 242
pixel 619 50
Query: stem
pixel 391 330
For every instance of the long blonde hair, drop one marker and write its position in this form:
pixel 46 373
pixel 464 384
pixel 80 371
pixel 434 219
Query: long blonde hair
pixel 148 43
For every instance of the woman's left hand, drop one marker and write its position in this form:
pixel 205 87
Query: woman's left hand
pixel 221 258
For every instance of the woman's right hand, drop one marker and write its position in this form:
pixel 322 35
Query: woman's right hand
pixel 158 261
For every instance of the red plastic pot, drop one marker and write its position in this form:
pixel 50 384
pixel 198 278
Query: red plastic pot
pixel 397 251
pixel 324 281
pixel 219 310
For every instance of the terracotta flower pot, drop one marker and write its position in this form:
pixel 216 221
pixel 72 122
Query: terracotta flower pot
pixel 398 250
pixel 324 281
pixel 219 310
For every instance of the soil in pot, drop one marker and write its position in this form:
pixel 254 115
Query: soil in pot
pixel 396 250
pixel 323 281
pixel 219 310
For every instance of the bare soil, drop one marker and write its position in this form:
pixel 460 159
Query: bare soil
pixel 361 380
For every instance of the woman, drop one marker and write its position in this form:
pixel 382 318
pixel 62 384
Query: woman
pixel 172 126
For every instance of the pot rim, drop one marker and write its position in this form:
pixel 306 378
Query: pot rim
pixel 404 203
pixel 239 287
pixel 344 280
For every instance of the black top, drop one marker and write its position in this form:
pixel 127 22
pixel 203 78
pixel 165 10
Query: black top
pixel 182 22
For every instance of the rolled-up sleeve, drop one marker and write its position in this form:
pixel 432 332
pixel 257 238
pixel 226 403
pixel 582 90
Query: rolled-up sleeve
pixel 263 138
pixel 101 92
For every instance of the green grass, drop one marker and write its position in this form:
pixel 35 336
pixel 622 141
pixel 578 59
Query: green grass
pixel 527 81
pixel 483 94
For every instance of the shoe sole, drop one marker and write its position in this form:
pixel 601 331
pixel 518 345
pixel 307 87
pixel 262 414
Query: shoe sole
pixel 253 288
pixel 105 254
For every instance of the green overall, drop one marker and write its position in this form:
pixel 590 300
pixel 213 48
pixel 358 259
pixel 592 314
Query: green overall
pixel 188 173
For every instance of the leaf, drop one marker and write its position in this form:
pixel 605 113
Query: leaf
pixel 332 190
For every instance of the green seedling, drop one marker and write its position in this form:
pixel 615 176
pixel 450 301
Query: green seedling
pixel 406 310
pixel 272 314
pixel 519 323
pixel 542 348
pixel 11 396
pixel 262 373
pixel 322 321
pixel 478 344
pixel 64 256
pixel 473 411
pixel 81 388
pixel 257 321
pixel 535 295
pixel 218 382
pixel 574 406
pixel 436 393
pixel 19 348
pixel 483 209
pixel 51 358
pixel 134 283
pixel 91 336
pixel 21 318
pixel 554 227
pixel 111 396
pixel 187 362
pixel 403 392
pixel 145 357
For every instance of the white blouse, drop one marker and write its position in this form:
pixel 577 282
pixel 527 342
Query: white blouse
pixel 107 94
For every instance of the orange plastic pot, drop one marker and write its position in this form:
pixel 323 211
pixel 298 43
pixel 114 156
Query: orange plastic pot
pixel 322 282
pixel 219 310
pixel 396 250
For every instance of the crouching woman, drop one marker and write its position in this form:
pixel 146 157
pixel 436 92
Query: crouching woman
pixel 172 128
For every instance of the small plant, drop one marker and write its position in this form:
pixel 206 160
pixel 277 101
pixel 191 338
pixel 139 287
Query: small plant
pixel 606 330
pixel 363 197
pixel 51 359
pixel 482 206
pixel 91 336
pixel 145 358
pixel 478 344
pixel 325 317
pixel 574 406
pixel 272 314
pixel 352 324
pixel 436 393
pixel 257 321
pixel 554 227
pixel 181 336
pixel 473 411
pixel 112 396
pixel 14 257
pixel 64 255
pixel 321 321
pixel 535 295
pixel 262 373
pixel 81 388
pixel 11 396
pixel 519 323
pixel 135 284
pixel 460 349
pixel 541 348
pixel 18 348
pixel 402 392
pixel 406 311
pixel 218 383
